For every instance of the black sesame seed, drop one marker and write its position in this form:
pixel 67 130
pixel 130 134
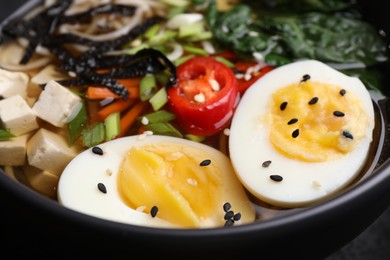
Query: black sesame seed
pixel 229 223
pixel 338 113
pixel 102 187
pixel 153 211
pixel 283 106
pixel 266 164
pixel 313 101
pixel 295 133
pixel 97 150
pixel 227 206
pixel 205 162
pixel 229 214
pixel 276 178
pixel 342 92
pixel 237 216
pixel 347 134
pixel 305 77
pixel 292 121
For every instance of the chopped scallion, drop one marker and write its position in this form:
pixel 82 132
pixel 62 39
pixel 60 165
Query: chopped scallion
pixel 159 99
pixel 77 125
pixel 160 116
pixel 147 87
pixel 112 126
pixel 195 50
pixel 164 129
pixel 94 135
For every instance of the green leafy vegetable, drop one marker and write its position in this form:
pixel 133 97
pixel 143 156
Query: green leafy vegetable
pixel 93 135
pixel 5 135
pixel 76 126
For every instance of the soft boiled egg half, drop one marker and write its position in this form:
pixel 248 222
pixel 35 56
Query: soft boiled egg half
pixel 301 133
pixel 156 181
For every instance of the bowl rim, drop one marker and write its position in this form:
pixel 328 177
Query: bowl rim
pixel 379 180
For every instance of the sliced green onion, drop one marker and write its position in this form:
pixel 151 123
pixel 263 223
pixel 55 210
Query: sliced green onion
pixel 191 29
pixel 77 125
pixel 176 2
pixel 195 138
pixel 183 59
pixel 162 37
pixel 195 50
pixel 112 126
pixel 175 10
pixel 137 48
pixel 5 135
pixel 94 135
pixel 225 61
pixel 160 116
pixel 205 35
pixel 147 87
pixel 152 31
pixel 164 129
pixel 159 99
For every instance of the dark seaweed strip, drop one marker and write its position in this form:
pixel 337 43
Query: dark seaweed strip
pixel 40 26
pixel 83 17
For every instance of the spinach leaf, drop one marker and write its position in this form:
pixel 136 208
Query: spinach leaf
pixel 328 37
pixel 237 29
pixel 298 6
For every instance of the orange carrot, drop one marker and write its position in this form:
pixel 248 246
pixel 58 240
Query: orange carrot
pixel 118 105
pixel 129 118
pixel 100 92
pixel 95 93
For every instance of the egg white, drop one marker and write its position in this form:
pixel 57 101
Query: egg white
pixel 77 188
pixel 303 182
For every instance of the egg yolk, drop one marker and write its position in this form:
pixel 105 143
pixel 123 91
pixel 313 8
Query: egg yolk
pixel 314 121
pixel 170 177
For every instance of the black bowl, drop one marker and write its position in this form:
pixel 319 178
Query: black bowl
pixel 33 224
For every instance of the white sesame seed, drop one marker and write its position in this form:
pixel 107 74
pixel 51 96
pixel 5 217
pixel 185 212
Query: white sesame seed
pixel 226 131
pixel 225 29
pixel 72 74
pixel 214 85
pixel 247 76
pixel 200 98
pixel 239 76
pixel 144 120
pixel 208 47
pixel 109 172
pixel 258 56
pixel 148 132
pixel 253 33
pixel 316 184
pixel 192 182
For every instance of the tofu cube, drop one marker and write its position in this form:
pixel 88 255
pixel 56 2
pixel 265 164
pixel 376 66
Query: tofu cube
pixel 57 104
pixel 42 181
pixel 49 151
pixel 13 151
pixel 16 116
pixel 13 83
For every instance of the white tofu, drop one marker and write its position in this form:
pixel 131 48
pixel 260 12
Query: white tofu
pixel 16 116
pixel 13 83
pixel 42 181
pixel 49 151
pixel 13 151
pixel 57 104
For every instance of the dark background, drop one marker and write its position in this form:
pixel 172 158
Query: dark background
pixel 372 244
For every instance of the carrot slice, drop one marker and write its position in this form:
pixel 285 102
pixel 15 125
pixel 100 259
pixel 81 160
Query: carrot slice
pixel 100 92
pixel 130 117
pixel 118 105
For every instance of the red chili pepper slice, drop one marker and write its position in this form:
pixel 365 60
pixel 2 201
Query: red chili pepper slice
pixel 243 66
pixel 204 97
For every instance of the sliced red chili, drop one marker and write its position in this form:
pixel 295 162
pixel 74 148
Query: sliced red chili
pixel 204 97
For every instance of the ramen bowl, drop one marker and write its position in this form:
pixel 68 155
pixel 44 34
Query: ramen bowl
pixel 42 226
